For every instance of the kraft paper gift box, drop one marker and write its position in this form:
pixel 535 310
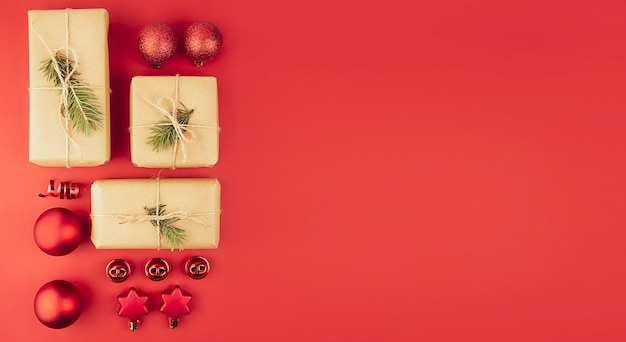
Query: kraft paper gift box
pixel 157 103
pixel 123 215
pixel 81 35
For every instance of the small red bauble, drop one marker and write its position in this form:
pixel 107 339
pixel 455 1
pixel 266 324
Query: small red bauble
pixel 197 267
pixel 118 270
pixel 175 304
pixel 156 43
pixel 203 41
pixel 157 269
pixel 58 304
pixel 132 305
pixel 57 231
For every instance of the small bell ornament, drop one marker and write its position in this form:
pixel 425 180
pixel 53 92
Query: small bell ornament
pixel 175 304
pixel 157 269
pixel 197 267
pixel 118 270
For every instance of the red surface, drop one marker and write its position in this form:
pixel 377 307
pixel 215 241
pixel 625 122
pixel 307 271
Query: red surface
pixel 443 170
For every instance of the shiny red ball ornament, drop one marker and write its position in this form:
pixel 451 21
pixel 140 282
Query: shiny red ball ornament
pixel 203 41
pixel 57 231
pixel 58 304
pixel 156 43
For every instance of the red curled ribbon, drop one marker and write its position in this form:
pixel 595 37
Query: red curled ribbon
pixel 65 190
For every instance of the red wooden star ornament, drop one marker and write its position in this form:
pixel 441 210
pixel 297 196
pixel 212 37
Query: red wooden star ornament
pixel 175 303
pixel 132 305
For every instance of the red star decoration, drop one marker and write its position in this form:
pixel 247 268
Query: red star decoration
pixel 175 303
pixel 132 305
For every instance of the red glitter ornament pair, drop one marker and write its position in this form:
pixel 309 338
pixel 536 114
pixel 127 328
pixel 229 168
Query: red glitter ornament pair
pixel 133 305
pixel 157 43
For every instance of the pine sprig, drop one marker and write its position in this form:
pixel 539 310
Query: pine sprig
pixel 165 136
pixel 175 236
pixel 82 103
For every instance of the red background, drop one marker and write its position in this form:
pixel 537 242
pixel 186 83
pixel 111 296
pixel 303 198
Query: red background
pixel 400 170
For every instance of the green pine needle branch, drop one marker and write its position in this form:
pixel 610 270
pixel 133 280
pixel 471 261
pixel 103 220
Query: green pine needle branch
pixel 82 103
pixel 174 236
pixel 165 136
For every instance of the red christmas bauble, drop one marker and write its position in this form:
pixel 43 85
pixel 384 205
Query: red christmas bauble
pixel 157 43
pixel 58 304
pixel 203 41
pixel 57 231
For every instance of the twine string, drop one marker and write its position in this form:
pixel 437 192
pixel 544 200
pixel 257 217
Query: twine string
pixel 65 85
pixel 172 117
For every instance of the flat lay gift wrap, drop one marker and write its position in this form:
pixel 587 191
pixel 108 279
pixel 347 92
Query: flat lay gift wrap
pixel 81 36
pixel 159 103
pixel 123 213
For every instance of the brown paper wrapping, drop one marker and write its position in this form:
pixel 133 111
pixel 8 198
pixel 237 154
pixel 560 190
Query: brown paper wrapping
pixel 114 200
pixel 88 37
pixel 195 92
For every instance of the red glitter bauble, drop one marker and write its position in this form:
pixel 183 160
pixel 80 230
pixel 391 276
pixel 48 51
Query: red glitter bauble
pixel 58 304
pixel 156 43
pixel 57 231
pixel 203 41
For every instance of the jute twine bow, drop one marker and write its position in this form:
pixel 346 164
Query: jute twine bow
pixel 172 120
pixel 66 86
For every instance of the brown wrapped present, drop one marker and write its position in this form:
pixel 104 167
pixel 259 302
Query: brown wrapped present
pixel 174 121
pixel 175 213
pixel 69 87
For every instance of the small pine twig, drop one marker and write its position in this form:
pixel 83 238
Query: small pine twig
pixel 82 102
pixel 164 136
pixel 174 236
